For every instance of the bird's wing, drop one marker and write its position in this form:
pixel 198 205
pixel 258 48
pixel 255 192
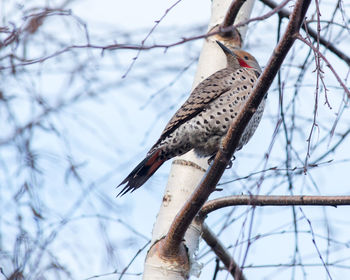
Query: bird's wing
pixel 207 91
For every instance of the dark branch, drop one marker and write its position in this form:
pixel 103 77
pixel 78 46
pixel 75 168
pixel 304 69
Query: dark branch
pixel 273 200
pixel 229 19
pixel 219 249
pixel 232 13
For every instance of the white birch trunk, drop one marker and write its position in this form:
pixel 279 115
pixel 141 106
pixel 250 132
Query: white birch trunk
pixel 187 170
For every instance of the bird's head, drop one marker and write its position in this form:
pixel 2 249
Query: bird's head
pixel 237 58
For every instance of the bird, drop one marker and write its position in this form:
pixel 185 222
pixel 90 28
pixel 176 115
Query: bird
pixel 203 120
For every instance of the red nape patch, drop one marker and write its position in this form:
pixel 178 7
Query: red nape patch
pixel 243 64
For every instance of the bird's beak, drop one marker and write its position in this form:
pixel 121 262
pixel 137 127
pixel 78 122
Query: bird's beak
pixel 225 49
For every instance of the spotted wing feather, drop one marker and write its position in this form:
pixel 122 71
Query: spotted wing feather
pixel 207 91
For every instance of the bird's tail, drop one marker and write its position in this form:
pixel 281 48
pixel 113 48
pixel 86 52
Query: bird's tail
pixel 142 172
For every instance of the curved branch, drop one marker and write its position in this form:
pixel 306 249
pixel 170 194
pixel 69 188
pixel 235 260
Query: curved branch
pixel 273 200
pixel 232 13
pixel 226 28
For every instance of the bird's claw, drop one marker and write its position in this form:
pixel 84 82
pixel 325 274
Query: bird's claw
pixel 229 165
pixel 211 159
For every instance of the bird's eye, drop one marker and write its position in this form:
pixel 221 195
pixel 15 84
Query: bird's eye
pixel 246 57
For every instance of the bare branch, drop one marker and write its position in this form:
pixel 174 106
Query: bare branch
pixel 327 63
pixel 274 200
pixel 232 13
pixel 221 252
pixel 312 32
pixel 142 47
pixel 228 30
pixel 315 244
pixel 147 36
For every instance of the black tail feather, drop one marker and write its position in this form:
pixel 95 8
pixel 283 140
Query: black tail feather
pixel 141 173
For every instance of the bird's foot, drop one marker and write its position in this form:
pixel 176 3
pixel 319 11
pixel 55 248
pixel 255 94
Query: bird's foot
pixel 229 165
pixel 211 159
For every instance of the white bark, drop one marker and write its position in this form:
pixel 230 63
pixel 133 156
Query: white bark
pixel 187 170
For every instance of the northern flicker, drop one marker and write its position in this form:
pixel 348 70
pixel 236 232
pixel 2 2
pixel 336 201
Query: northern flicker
pixel 203 120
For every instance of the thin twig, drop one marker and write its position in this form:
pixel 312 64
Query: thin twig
pixel 315 244
pixel 132 260
pixel 147 36
pixel 24 62
pixel 327 63
pixel 313 33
